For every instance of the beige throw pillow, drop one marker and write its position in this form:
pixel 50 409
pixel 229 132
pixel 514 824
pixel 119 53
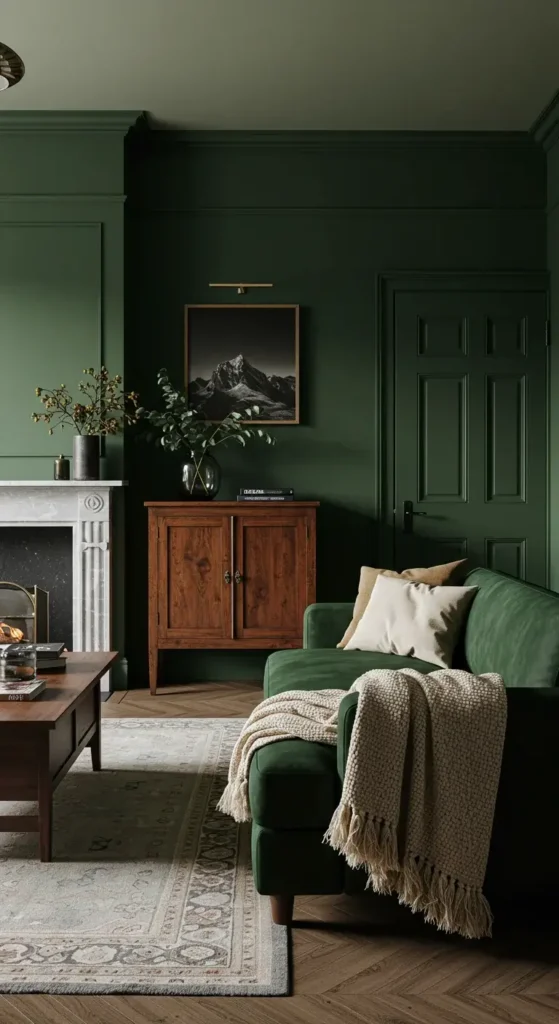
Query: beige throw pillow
pixel 435 576
pixel 412 619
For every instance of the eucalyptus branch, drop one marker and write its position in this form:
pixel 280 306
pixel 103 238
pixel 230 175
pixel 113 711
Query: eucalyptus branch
pixel 180 427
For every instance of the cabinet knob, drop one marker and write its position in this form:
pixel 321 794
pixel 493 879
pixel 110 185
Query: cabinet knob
pixel 238 577
pixel 227 577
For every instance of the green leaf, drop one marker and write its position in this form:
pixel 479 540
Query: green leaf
pixel 236 415
pixel 248 412
pixel 256 409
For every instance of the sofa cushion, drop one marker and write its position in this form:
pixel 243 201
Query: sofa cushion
pixel 412 619
pixel 435 576
pixel 328 669
pixel 294 784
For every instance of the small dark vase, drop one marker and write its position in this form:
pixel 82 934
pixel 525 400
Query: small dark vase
pixel 201 476
pixel 86 456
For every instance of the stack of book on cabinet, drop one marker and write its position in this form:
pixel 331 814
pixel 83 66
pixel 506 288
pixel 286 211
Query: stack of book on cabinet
pixel 265 494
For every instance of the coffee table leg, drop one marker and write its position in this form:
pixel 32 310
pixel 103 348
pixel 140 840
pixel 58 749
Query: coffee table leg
pixel 45 809
pixel 95 746
pixel 95 741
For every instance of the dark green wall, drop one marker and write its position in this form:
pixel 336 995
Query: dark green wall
pixel 546 132
pixel 319 215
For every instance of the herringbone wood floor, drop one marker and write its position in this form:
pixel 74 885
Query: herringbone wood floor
pixel 356 960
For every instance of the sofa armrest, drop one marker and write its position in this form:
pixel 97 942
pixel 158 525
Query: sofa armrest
pixel 346 718
pixel 325 624
pixel 530 740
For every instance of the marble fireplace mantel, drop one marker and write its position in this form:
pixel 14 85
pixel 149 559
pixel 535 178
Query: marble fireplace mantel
pixel 86 507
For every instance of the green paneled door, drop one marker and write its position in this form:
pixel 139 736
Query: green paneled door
pixel 468 466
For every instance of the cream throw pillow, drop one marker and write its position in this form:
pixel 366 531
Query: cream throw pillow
pixel 412 619
pixel 435 576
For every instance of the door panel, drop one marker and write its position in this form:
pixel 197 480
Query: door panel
pixel 195 599
pixel 506 437
pixel 442 404
pixel 470 414
pixel 270 555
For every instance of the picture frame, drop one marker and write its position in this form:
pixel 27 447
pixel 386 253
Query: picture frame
pixel 237 355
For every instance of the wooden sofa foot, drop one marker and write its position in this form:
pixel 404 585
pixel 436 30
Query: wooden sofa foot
pixel 282 909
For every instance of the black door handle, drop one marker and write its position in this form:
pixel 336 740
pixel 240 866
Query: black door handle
pixel 409 513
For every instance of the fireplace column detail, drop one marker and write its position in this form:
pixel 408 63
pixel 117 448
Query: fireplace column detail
pixel 92 565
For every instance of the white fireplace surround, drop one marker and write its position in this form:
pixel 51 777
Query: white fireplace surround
pixel 87 508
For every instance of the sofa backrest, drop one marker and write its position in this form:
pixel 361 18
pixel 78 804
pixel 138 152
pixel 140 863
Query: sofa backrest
pixel 513 629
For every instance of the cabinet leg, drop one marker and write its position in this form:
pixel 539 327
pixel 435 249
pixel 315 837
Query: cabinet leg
pixel 282 909
pixel 153 670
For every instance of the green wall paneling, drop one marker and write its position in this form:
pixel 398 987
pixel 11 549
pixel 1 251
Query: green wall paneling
pixel 320 215
pixel 50 286
pixel 61 284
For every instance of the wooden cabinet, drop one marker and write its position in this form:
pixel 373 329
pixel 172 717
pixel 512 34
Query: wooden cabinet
pixel 229 575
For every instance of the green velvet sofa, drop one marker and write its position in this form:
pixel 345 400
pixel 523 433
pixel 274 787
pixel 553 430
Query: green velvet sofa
pixel 294 786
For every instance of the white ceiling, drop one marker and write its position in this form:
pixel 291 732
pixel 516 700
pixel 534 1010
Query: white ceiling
pixel 289 64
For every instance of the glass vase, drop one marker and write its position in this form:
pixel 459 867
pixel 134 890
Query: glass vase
pixel 201 476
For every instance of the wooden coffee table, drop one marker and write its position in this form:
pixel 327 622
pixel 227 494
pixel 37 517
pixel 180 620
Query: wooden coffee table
pixel 41 739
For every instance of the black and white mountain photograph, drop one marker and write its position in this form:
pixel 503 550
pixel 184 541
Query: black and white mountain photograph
pixel 238 356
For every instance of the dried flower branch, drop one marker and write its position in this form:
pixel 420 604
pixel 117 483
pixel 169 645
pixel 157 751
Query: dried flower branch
pixel 105 408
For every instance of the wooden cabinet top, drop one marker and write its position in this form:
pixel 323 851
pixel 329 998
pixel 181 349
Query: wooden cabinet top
pixel 238 505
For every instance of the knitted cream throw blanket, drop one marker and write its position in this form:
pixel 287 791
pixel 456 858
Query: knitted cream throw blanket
pixel 420 783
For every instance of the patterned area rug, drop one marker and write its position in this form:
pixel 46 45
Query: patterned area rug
pixel 150 890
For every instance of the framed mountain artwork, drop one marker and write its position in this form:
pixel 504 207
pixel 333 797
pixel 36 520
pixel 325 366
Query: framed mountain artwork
pixel 237 356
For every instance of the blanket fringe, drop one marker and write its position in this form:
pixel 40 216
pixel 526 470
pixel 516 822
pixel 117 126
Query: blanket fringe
pixel 365 841
pixel 445 902
pixel 234 800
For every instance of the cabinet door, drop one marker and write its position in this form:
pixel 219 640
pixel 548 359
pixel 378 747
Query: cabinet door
pixel 194 576
pixel 270 581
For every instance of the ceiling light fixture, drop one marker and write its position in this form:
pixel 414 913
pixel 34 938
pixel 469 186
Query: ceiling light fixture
pixel 12 68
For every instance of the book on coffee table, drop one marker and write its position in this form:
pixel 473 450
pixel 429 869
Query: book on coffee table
pixel 51 664
pixel 49 655
pixel 48 651
pixel 22 691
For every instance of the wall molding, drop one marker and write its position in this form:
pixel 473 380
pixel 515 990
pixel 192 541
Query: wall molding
pixel 343 140
pixel 62 197
pixel 258 211
pixel 69 120
pixel 99 226
pixel 545 128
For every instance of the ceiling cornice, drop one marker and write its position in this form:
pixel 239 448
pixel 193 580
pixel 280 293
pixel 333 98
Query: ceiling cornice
pixel 68 120
pixel 545 128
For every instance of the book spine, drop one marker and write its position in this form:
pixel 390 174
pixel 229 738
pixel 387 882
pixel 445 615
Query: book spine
pixel 16 696
pixel 266 491
pixel 262 498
